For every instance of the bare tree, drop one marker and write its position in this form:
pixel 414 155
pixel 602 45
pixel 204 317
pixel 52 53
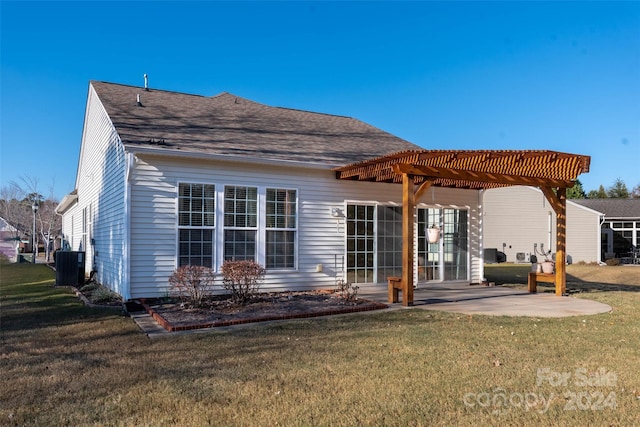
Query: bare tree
pixel 47 222
pixel 13 210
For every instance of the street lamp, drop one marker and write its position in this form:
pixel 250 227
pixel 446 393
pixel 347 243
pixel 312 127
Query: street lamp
pixel 35 206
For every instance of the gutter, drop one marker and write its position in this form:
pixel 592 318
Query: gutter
pixel 228 158
pixel 66 202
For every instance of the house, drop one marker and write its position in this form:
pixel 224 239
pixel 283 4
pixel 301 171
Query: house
pixel 9 242
pixel 620 230
pixel 520 222
pixel 168 179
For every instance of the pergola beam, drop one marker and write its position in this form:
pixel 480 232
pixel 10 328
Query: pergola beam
pixel 422 189
pixel 474 176
pixel 552 172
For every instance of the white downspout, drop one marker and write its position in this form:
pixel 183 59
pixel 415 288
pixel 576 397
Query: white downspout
pixel 599 245
pixel 550 233
pixel 481 235
pixel 126 250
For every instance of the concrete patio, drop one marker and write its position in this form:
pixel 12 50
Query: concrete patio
pixel 452 297
pixel 490 300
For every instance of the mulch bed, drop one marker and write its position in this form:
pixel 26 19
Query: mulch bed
pixel 221 311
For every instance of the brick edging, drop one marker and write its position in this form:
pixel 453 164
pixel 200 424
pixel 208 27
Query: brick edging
pixel 371 305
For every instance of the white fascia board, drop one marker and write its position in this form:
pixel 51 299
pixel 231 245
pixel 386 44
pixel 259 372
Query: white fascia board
pixel 66 202
pixel 227 157
pixel 578 205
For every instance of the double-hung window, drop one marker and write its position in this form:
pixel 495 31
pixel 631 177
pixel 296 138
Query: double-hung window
pixel 196 223
pixel 255 223
pixel 240 222
pixel 281 227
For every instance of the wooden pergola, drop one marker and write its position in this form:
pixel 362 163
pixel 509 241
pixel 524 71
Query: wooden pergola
pixel 551 171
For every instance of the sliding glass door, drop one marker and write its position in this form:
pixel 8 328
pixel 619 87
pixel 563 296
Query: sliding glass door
pixel 374 244
pixel 389 232
pixel 360 243
pixel 455 244
pixel 428 253
pixel 446 259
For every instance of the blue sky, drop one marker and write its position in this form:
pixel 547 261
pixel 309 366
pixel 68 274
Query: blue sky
pixel 443 75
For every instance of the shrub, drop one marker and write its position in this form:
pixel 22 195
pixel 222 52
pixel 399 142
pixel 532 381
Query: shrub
pixel 192 283
pixel 89 287
pixel 346 291
pixel 242 279
pixel 102 295
pixel 612 262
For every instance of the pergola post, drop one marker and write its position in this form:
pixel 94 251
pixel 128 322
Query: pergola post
pixel 551 171
pixel 561 242
pixel 558 202
pixel 408 206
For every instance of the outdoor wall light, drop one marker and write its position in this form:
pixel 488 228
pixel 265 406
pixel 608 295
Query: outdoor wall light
pixel 337 213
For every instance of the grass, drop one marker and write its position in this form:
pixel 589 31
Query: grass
pixel 65 364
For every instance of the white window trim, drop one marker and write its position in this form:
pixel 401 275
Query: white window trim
pixel 219 228
pixel 214 228
pixel 262 191
pixel 439 206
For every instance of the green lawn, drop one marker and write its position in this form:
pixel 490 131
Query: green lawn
pixel 64 364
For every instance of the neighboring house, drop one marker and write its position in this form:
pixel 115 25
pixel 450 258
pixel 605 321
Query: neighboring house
pixel 167 179
pixel 520 222
pixel 8 242
pixel 620 225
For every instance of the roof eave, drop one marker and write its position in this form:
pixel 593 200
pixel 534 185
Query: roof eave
pixel 67 202
pixel 227 157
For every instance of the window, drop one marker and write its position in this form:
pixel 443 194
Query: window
pixel 240 222
pixel 281 224
pixel 389 242
pixel 196 221
pixel 259 224
pixel 83 239
pixel 360 243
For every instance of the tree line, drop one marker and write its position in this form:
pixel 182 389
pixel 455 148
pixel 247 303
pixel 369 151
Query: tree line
pixel 618 190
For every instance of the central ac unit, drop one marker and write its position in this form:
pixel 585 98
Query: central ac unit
pixel 523 257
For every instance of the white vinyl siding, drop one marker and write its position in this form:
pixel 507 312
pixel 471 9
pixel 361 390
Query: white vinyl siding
pixel 518 217
pixel 320 236
pixel 98 216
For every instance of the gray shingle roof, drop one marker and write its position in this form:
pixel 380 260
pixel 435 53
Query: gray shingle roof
pixel 230 125
pixel 613 208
